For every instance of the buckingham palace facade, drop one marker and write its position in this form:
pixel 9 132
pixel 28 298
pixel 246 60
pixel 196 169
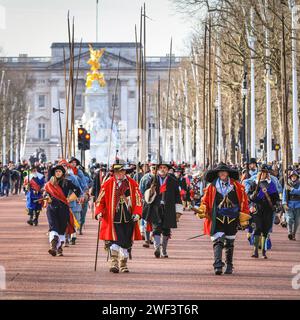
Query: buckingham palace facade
pixel 48 90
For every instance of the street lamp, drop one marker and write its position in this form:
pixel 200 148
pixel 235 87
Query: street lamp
pixel 244 95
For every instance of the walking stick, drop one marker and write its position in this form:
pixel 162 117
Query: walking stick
pixel 97 247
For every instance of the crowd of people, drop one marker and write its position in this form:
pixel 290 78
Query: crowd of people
pixel 145 202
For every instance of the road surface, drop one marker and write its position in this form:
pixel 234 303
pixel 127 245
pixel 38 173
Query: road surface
pixel 31 273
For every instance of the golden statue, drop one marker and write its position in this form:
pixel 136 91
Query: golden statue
pixel 95 56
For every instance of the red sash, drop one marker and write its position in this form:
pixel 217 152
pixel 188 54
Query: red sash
pixel 163 187
pixel 34 185
pixel 56 192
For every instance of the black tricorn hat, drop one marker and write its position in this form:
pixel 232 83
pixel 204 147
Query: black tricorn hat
pixel 58 167
pixel 211 175
pixel 74 159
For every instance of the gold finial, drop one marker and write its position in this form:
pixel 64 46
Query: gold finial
pixel 95 56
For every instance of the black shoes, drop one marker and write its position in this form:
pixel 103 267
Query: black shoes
pixel 157 252
pixel 218 271
pixel 229 269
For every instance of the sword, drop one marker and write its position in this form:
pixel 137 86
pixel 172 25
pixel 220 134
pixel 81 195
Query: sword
pixel 41 199
pixel 199 236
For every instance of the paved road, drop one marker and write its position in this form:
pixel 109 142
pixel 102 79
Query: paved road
pixel 32 273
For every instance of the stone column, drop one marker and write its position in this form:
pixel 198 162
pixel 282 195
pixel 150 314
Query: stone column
pixel 54 127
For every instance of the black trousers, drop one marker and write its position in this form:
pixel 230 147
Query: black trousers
pixel 226 225
pixel 124 233
pixel 263 221
pixel 58 218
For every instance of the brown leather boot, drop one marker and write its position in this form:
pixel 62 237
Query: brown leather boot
pixel 53 246
pixel 60 250
pixel 123 265
pixel 114 261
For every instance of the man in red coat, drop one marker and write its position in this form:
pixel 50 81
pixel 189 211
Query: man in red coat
pixel 119 208
pixel 224 207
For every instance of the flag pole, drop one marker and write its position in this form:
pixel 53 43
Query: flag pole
pixel 97 20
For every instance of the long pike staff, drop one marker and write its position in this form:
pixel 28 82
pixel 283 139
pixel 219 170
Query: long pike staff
pixel 285 94
pixel 168 94
pixel 204 95
pixel 75 92
pixel 113 114
pixel 158 118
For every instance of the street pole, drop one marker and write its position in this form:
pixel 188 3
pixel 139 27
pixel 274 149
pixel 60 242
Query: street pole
pixel 219 108
pixel 243 131
pixel 252 40
pixel 295 88
pixel 268 92
pixel 12 131
pixel 5 97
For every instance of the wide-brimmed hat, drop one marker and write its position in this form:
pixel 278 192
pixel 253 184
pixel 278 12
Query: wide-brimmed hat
pixel 120 165
pixel 58 167
pixel 64 162
pixel 253 160
pixel 165 163
pixel 153 164
pixel 74 159
pixel 265 168
pixel 294 173
pixel 211 175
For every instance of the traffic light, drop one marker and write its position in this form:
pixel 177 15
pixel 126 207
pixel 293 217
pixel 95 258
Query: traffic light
pixel 81 138
pixel 87 141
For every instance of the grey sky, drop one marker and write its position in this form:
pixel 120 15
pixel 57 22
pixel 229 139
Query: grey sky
pixel 32 25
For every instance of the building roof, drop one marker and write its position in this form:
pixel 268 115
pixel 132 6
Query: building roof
pixel 97 44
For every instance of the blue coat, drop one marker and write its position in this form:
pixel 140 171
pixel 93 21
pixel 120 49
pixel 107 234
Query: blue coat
pixel 293 204
pixel 32 195
pixel 74 205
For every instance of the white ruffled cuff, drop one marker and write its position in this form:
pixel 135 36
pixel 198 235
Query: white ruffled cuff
pixel 179 207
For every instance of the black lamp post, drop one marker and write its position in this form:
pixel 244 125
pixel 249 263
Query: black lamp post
pixel 243 131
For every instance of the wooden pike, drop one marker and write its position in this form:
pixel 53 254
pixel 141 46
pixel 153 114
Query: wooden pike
pixel 168 91
pixel 114 109
pixel 284 89
pixel 209 97
pixel 204 96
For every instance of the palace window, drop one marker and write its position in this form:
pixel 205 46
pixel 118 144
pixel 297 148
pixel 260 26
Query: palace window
pixel 78 101
pixel 131 94
pixel 42 131
pixel 42 101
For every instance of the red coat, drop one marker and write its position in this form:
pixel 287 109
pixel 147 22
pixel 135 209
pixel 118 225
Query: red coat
pixel 209 198
pixel 107 206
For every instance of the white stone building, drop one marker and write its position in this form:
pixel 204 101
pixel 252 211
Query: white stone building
pixel 48 90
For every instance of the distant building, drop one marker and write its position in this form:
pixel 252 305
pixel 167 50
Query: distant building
pixel 48 90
